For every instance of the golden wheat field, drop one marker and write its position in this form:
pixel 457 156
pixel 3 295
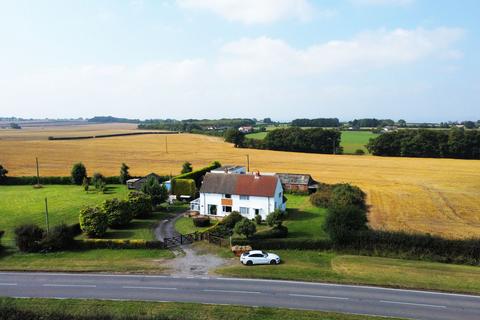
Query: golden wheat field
pixel 438 196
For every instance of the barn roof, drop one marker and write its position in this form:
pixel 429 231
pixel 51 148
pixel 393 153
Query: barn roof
pixel 295 178
pixel 239 184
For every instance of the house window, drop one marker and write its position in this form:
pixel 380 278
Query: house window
pixel 227 209
pixel 228 196
pixel 244 210
pixel 244 198
pixel 212 209
pixel 257 211
pixel 280 194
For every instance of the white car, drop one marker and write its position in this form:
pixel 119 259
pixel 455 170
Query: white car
pixel 259 257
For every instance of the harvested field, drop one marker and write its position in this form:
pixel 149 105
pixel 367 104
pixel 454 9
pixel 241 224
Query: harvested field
pixel 439 196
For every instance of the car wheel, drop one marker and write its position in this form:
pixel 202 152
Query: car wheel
pixel 249 263
pixel 273 262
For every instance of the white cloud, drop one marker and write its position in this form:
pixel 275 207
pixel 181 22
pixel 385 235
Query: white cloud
pixel 379 48
pixel 383 2
pixel 248 77
pixel 253 11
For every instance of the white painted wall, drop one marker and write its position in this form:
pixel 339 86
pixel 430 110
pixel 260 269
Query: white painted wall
pixel 265 205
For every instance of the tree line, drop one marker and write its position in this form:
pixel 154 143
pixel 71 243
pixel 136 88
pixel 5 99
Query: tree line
pixel 315 140
pixel 454 143
pixel 318 123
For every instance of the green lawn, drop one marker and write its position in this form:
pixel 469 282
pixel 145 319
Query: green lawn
pixel 304 220
pixel 165 310
pixel 128 260
pixel 332 267
pixel 353 140
pixel 24 204
pixel 184 225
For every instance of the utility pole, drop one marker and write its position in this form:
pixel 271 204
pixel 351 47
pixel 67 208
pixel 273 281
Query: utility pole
pixel 46 215
pixel 248 163
pixel 38 174
pixel 334 146
pixel 166 144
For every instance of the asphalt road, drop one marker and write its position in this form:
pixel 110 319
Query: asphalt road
pixel 269 293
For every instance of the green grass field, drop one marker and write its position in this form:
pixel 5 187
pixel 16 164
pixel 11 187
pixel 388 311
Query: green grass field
pixel 351 140
pixel 97 260
pixel 165 310
pixel 304 220
pixel 332 267
pixel 24 204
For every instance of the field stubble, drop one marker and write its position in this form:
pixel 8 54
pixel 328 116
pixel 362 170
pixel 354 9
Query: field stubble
pixel 438 196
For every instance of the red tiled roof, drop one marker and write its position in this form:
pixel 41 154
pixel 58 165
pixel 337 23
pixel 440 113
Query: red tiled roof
pixel 251 185
pixel 239 184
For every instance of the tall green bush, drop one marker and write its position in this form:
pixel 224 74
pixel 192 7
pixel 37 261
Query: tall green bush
pixel 245 227
pixel 140 204
pixel 197 175
pixel 182 187
pixel 59 238
pixel 118 212
pixel 158 193
pixel 28 238
pixel 344 195
pixel 343 223
pixel 78 173
pixel 231 220
pixel 3 174
pixel 124 174
pixel 93 221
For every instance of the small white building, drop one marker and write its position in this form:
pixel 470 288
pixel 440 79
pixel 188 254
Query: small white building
pixel 249 194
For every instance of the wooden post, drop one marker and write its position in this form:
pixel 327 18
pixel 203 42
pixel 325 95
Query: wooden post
pixel 166 144
pixel 46 215
pixel 248 163
pixel 38 174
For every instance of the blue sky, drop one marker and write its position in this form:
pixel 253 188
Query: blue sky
pixel 410 59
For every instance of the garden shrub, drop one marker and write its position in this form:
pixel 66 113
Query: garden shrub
pixel 140 204
pixel 184 187
pixel 344 195
pixel 275 218
pixel 28 238
pixel 93 221
pixel 1 235
pixel 221 231
pixel 245 227
pixel 98 180
pixel 158 193
pixel 59 238
pixel 321 198
pixel 201 221
pixel 231 220
pixel 118 212
pixel 342 223
pixel 258 219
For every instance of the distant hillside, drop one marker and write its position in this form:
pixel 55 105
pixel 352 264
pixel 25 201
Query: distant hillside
pixel 110 119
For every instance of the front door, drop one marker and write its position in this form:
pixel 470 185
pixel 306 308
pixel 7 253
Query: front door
pixel 212 209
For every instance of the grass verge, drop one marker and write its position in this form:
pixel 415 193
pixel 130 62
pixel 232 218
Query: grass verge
pixel 332 267
pixel 164 310
pixel 95 260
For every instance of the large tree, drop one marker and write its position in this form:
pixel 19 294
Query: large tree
pixel 124 174
pixel 234 136
pixel 3 174
pixel 78 173
pixel 157 192
pixel 187 167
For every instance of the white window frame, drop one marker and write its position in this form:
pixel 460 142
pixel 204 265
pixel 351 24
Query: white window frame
pixel 244 210
pixel 244 197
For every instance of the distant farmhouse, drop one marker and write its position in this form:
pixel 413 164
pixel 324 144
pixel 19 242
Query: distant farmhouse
pixel 249 194
pixel 246 129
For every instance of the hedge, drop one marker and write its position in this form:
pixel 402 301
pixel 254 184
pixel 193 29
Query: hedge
pixel 32 180
pixel 118 244
pixel 197 175
pixel 386 244
pixel 184 187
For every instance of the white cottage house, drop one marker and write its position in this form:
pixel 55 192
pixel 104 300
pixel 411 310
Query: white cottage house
pixel 249 194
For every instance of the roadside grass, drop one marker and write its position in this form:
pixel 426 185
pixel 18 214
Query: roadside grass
pixel 304 220
pixel 24 204
pixel 165 310
pixel 94 260
pixel 353 140
pixel 321 266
